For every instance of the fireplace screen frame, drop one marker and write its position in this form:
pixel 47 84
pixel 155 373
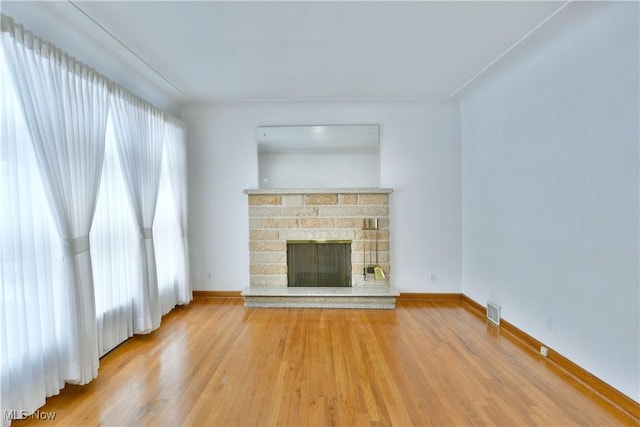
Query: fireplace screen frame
pixel 306 255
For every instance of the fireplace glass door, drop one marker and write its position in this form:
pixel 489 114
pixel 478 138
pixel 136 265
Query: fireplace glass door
pixel 319 264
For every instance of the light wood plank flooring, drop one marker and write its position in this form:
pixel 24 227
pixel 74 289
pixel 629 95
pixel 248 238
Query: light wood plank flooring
pixel 215 362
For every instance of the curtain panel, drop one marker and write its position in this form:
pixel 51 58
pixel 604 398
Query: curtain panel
pixel 139 133
pixel 29 274
pixel 114 252
pixel 81 162
pixel 65 104
pixel 176 144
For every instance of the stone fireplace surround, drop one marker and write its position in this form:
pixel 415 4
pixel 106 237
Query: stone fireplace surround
pixel 278 215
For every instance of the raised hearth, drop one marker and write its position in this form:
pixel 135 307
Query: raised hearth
pixel 371 297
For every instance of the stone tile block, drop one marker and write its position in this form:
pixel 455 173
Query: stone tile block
pixel 380 234
pixel 347 199
pixel 264 211
pixel 363 245
pixel 263 235
pixel 293 199
pixel 383 223
pixel 255 223
pixel 373 234
pixel 268 246
pixel 280 223
pixel 318 234
pixel 357 268
pixel 349 223
pixel 382 258
pixel 354 211
pixel 264 199
pixel 373 199
pixel 321 199
pixel 268 279
pixel 299 211
pixel 317 222
pixel 268 269
pixel 268 257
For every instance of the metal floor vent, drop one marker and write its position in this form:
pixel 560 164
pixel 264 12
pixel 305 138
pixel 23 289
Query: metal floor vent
pixel 493 312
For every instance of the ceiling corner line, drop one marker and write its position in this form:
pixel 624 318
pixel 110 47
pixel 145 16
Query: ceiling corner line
pixel 499 57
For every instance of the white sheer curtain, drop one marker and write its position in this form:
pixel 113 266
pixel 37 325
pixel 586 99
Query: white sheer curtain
pixel 170 226
pixel 30 268
pixel 65 105
pixel 177 160
pixel 62 304
pixel 116 262
pixel 167 237
pixel 139 131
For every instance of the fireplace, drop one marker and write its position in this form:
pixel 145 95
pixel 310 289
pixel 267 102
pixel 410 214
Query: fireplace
pixel 318 263
pixel 298 228
pixel 281 216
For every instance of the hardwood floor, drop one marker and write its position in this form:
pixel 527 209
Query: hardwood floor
pixel 215 362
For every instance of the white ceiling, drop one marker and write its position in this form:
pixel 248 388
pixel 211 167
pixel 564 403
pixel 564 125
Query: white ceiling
pixel 177 52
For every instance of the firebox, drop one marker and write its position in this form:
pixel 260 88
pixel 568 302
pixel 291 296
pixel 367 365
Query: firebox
pixel 318 263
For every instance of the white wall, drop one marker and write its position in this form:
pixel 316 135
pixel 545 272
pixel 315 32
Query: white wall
pixel 419 158
pixel 551 194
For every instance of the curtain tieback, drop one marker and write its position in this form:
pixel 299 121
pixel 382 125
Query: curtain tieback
pixel 147 233
pixel 76 245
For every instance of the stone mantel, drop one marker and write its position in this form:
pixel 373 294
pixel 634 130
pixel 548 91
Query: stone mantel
pixel 373 190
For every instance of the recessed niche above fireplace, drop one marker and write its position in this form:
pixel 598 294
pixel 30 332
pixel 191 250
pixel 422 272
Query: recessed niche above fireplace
pixel 318 156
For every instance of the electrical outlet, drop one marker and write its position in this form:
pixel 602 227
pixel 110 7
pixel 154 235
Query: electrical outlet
pixel 432 277
pixel 209 276
pixel 544 351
